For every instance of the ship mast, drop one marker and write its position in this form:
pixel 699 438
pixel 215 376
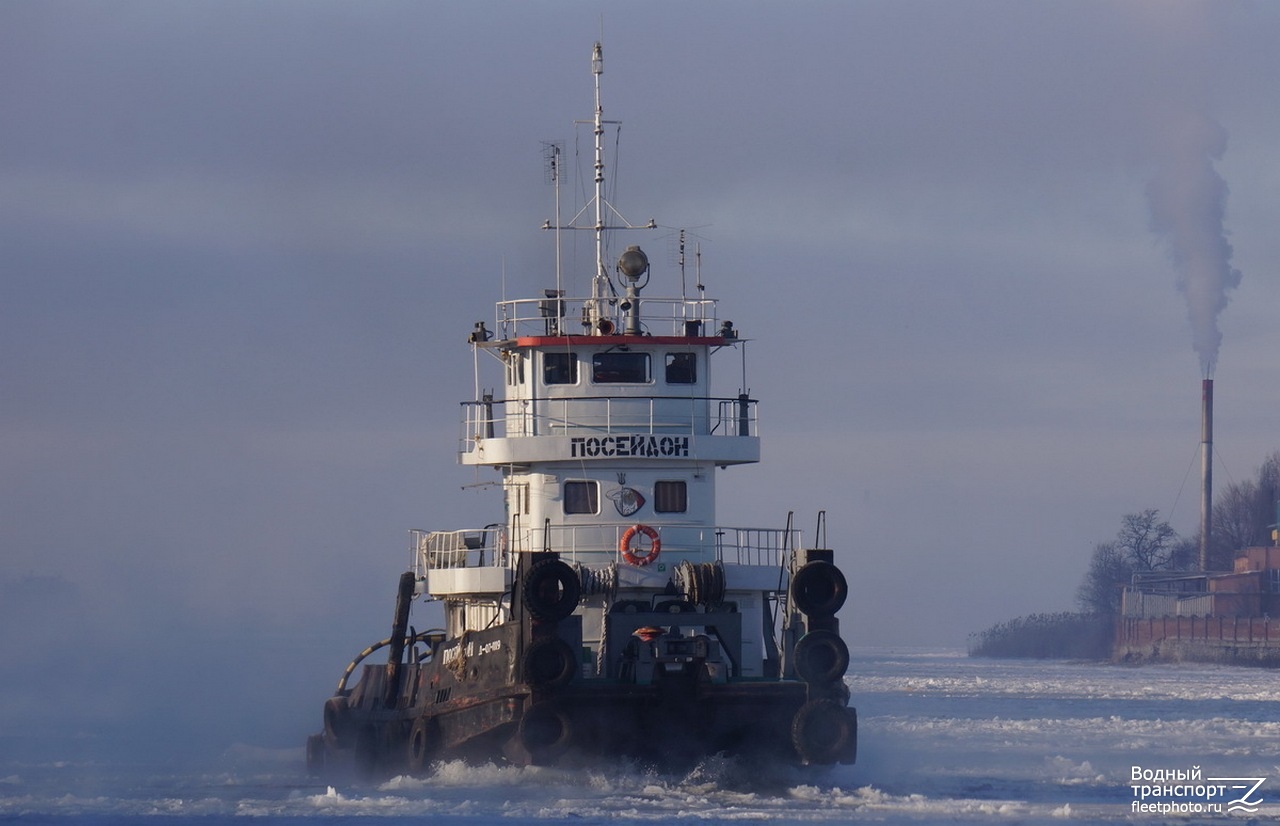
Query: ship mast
pixel 601 282
pixel 595 310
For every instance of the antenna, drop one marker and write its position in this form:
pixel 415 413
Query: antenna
pixel 551 152
pixel 595 308
pixel 602 276
pixel 697 269
pixel 683 292
pixel 677 253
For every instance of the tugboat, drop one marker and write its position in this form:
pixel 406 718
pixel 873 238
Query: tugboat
pixel 607 612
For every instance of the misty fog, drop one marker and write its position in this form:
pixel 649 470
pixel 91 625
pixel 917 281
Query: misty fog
pixel 244 244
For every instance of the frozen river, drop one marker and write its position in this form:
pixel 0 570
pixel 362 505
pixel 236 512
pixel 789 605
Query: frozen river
pixel 943 738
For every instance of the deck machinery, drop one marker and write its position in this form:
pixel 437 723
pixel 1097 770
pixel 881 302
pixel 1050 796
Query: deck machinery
pixel 606 611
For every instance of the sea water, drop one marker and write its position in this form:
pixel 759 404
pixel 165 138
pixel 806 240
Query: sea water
pixel 943 738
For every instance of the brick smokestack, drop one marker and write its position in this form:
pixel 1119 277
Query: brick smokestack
pixel 1206 470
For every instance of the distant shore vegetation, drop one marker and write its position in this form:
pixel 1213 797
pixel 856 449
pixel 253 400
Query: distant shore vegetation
pixel 1243 516
pixel 1060 636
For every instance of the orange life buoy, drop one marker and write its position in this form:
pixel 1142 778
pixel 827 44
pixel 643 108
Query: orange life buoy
pixel 630 555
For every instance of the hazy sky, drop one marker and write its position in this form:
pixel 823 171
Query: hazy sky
pixel 242 245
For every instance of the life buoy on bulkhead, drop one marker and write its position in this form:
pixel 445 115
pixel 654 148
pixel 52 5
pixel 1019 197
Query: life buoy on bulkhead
pixel 629 554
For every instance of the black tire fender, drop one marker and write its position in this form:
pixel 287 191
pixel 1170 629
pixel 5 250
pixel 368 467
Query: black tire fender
pixel 338 729
pixel 819 589
pixel 551 590
pixel 424 743
pixel 545 732
pixel 821 657
pixel 824 732
pixel 548 663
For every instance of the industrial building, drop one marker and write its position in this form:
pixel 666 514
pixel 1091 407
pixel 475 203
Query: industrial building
pixel 1231 617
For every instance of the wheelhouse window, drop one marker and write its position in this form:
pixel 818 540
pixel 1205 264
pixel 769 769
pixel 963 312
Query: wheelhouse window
pixel 620 368
pixel 559 368
pixel 682 368
pixel 670 497
pixel 581 497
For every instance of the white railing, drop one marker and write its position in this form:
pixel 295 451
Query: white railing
pixel 467 548
pixel 607 416
pixel 573 316
pixel 598 544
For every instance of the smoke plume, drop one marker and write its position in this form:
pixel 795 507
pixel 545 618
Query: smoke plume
pixel 1188 201
pixel 1187 196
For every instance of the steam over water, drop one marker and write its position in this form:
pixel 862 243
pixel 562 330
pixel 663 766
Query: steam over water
pixel 943 739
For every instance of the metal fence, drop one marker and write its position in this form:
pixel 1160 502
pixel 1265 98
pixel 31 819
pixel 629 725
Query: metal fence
pixel 493 546
pixel 608 416
pixel 563 316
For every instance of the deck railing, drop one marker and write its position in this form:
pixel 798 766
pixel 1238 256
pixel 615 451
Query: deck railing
pixel 596 545
pixel 607 416
pixel 562 316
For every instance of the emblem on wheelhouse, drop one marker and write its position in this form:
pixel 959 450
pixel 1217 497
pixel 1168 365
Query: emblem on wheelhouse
pixel 606 611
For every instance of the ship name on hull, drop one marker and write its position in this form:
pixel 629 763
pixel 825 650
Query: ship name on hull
pixel 638 445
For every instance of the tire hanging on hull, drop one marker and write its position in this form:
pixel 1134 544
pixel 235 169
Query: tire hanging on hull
pixel 423 745
pixel 548 663
pixel 819 589
pixel 551 590
pixel 338 732
pixel 825 732
pixel 821 657
pixel 545 732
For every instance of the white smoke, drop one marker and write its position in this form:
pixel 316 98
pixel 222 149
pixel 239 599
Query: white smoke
pixel 1188 201
pixel 1187 196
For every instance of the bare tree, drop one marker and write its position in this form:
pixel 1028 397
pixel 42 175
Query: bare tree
pixel 1269 476
pixel 1243 514
pixel 1235 518
pixel 1186 553
pixel 1145 542
pixel 1109 571
pixel 1268 496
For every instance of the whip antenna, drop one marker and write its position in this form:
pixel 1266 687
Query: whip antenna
pixel 551 157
